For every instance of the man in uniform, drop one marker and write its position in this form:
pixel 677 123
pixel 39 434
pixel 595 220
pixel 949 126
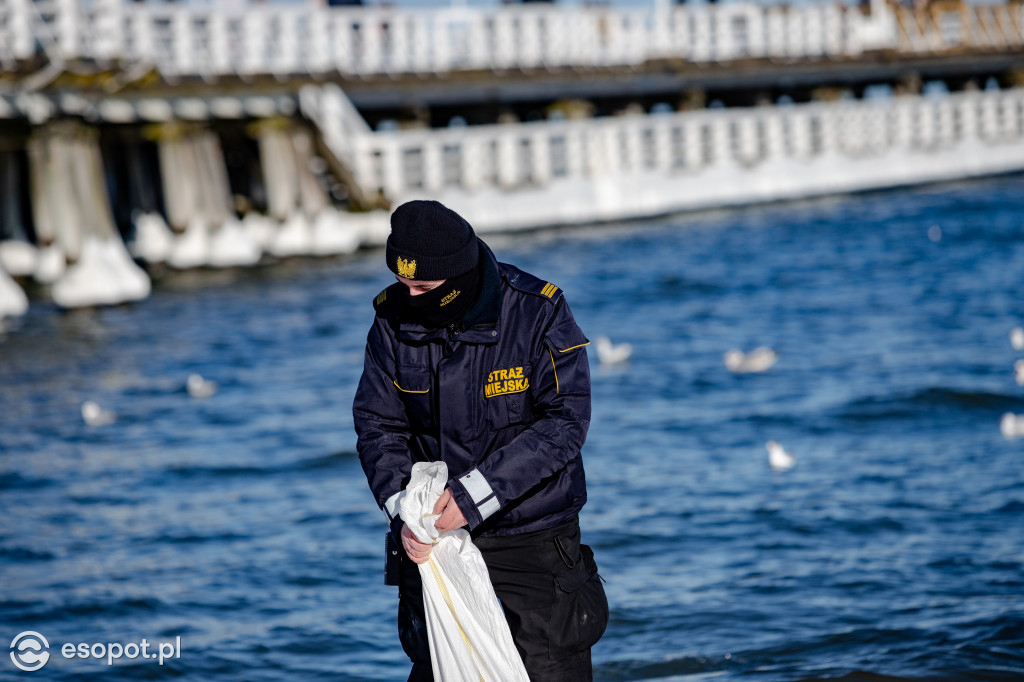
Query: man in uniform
pixel 481 365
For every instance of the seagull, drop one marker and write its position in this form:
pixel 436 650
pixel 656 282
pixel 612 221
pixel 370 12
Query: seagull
pixel 94 415
pixel 779 459
pixel 611 355
pixel 1012 425
pixel 198 387
pixel 758 360
pixel 1018 372
pixel 1017 338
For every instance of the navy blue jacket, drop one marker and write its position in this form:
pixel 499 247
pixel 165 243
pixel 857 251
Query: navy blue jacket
pixel 503 397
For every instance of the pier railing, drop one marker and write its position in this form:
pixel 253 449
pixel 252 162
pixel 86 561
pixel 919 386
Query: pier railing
pixel 211 40
pixel 516 157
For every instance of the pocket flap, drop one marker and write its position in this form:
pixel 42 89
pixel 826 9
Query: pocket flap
pixel 566 337
pixel 412 379
pixel 575 578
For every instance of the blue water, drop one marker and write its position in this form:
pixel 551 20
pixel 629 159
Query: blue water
pixel 242 522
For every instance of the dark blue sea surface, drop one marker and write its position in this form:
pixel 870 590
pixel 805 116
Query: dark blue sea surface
pixel 242 522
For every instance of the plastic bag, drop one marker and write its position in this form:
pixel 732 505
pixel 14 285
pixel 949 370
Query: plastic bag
pixel 469 637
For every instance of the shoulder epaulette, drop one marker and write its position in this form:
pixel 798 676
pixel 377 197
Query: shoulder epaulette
pixel 527 283
pixel 386 298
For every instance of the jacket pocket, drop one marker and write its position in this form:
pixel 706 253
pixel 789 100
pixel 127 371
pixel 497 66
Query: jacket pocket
pixel 579 613
pixel 415 391
pixel 507 394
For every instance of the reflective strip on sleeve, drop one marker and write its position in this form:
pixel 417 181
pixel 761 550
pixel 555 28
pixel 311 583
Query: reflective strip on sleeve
pixel 488 507
pixel 391 506
pixel 477 486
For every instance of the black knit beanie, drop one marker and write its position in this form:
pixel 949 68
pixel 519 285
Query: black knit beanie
pixel 429 241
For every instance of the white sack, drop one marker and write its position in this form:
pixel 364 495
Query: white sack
pixel 469 637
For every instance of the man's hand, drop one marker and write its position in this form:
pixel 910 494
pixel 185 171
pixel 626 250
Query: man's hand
pixel 451 515
pixel 418 551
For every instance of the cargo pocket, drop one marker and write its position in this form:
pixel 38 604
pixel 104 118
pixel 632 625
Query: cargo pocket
pixel 579 613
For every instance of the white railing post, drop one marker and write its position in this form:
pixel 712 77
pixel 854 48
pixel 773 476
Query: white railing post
pixel 725 47
pixel 441 41
pixel 799 134
pixel 503 48
pixel 701 17
pixel 68 27
pixel 756 30
pixel 903 131
pixel 221 58
pixel 775 146
pixel 19 28
pixel 392 178
pixel 747 148
pixel 255 37
pixel 182 49
pixel 473 166
pixel 1008 115
pixel 775 31
pixel 370 33
pixel 108 43
pixel 399 56
pixel 478 50
pixel 540 145
pixel 506 162
pixel 575 150
pixel 285 60
pixel 529 40
pixel 989 127
pixel 944 134
pixel 433 165
pixel 662 145
pixel 342 48
pixel 720 140
pixel 318 58
pixel 968 106
pixel 693 151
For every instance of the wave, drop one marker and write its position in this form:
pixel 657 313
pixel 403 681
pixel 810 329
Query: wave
pixel 927 400
pixel 246 470
pixel 12 480
pixel 19 554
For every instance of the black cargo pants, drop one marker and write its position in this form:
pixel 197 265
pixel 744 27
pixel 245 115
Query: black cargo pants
pixel 552 596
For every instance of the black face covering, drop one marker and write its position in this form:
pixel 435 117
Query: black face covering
pixel 447 303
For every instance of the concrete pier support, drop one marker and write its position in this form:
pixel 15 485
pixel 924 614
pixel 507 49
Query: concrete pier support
pixel 199 204
pixel 74 223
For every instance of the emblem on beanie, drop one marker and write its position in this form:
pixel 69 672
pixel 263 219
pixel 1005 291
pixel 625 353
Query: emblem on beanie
pixel 406 268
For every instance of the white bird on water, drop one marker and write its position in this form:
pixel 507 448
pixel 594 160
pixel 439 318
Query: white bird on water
pixel 758 360
pixel 1012 425
pixel 1017 338
pixel 198 387
pixel 610 354
pixel 1018 372
pixel 94 415
pixel 778 458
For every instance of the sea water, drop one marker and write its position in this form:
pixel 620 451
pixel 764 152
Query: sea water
pixel 242 524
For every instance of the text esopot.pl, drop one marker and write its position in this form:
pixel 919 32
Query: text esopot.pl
pixel 30 651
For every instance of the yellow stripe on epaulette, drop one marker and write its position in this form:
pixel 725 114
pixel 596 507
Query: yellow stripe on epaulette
pixel 549 290
pixel 381 297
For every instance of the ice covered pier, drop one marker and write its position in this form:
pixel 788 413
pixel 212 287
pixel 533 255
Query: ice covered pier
pixel 223 134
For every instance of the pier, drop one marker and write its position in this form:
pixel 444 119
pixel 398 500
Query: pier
pixel 138 135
